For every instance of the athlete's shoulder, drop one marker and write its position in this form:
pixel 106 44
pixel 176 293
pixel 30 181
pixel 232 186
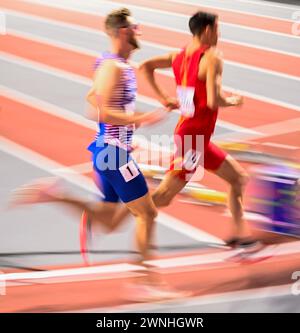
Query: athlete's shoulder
pixel 109 68
pixel 214 54
pixel 109 71
pixel 214 57
pixel 112 64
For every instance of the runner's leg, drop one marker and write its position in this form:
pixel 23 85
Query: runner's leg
pixel 237 178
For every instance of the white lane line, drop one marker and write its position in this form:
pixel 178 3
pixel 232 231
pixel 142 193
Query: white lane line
pixel 53 42
pixel 85 81
pixel 187 230
pixel 141 98
pixel 49 108
pixel 77 119
pixel 77 169
pixel 263 48
pixel 99 32
pixel 262 70
pixel 195 202
pixel 87 167
pixel 211 299
pixel 194 261
pixel 79 27
pixel 263 98
pixel 270 4
pixel 80 49
pixel 160 47
pixel 105 269
pixel 61 170
pixel 96 5
pixel 45 164
pixel 203 259
pixel 162 218
pixel 236 128
pixel 87 184
pixel 70 174
pixel 41 67
pixel 278 128
pixel 258 30
pixel 231 10
pixel 77 278
pixel 279 145
pixel 251 216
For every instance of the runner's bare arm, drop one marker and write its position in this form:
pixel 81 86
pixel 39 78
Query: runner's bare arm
pixel 215 95
pixel 148 67
pixel 103 90
pixel 92 110
pixel 212 81
pixel 223 100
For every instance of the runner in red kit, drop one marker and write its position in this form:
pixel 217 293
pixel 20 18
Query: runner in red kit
pixel 197 118
pixel 198 73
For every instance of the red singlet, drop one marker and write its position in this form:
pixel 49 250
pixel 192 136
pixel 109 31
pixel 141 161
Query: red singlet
pixel 197 119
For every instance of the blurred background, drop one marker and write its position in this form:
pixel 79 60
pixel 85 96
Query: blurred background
pixel 47 53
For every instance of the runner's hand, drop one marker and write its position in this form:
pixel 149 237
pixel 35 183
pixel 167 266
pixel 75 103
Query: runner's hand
pixel 171 103
pixel 235 100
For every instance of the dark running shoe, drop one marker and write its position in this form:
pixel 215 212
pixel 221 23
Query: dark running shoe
pixel 232 242
pixel 248 244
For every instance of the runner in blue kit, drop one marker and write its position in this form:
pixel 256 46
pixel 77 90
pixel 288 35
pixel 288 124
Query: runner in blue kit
pixel 117 171
pixel 112 97
pixel 119 178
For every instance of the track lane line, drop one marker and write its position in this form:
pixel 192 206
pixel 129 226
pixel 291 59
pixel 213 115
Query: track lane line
pixel 277 109
pixel 226 16
pixel 151 32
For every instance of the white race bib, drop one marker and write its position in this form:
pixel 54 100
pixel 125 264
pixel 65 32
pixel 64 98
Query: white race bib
pixel 129 171
pixel 191 159
pixel 186 99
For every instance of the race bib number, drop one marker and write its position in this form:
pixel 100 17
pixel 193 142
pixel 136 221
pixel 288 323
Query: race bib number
pixel 129 171
pixel 186 99
pixel 191 160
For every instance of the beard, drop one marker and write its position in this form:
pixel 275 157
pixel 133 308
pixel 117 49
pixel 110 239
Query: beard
pixel 134 43
pixel 215 42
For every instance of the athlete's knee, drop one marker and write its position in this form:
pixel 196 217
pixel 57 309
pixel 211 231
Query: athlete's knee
pixel 147 213
pixel 151 213
pixel 243 178
pixel 239 181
